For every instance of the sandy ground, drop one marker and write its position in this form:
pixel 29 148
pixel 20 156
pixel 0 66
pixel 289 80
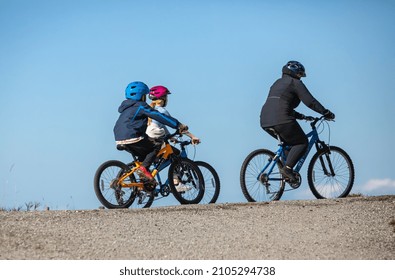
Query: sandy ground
pixel 361 228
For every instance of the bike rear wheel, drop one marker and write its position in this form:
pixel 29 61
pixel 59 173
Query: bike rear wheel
pixel 255 184
pixel 109 193
pixel 331 173
pixel 186 176
pixel 211 182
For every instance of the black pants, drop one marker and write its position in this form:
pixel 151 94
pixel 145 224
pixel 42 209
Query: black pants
pixel 145 150
pixel 292 135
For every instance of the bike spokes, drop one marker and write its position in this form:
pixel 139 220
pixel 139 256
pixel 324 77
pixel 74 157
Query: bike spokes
pixel 211 182
pixel 259 183
pixel 107 187
pixel 331 174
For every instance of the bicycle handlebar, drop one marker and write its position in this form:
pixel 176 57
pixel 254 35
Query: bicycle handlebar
pixel 314 120
pixel 177 132
pixel 183 143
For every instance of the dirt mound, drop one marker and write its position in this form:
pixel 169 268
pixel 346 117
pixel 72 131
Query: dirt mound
pixel 348 228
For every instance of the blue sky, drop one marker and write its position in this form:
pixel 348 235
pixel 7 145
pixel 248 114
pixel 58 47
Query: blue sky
pixel 64 66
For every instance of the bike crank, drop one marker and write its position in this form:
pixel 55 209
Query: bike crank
pixel 295 184
pixel 165 190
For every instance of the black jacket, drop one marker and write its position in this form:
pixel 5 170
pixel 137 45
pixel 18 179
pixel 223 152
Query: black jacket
pixel 132 121
pixel 284 96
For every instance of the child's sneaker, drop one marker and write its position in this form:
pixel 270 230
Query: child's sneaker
pixel 144 173
pixel 146 177
pixel 182 188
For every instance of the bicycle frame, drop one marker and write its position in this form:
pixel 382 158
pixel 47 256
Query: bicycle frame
pixel 163 155
pixel 183 154
pixel 280 153
pixel 313 135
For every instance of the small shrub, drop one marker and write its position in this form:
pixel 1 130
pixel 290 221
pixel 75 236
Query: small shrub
pixel 355 195
pixel 392 223
pixel 32 206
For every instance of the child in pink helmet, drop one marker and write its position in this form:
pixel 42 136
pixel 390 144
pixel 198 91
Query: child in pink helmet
pixel 155 129
pixel 158 131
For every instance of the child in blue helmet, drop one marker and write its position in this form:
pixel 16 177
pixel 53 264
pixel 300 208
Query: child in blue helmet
pixel 130 128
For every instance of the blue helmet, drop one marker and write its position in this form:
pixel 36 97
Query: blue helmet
pixel 136 91
pixel 294 69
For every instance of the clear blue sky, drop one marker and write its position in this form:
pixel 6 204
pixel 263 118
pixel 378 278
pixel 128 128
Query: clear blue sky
pixel 64 66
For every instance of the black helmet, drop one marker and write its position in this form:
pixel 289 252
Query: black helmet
pixel 294 69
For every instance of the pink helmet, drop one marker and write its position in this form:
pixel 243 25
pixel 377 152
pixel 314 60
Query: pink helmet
pixel 157 92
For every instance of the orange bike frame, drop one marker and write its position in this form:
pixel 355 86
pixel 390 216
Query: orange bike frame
pixel 164 153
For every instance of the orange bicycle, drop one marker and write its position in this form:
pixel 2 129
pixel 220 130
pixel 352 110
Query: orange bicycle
pixel 117 185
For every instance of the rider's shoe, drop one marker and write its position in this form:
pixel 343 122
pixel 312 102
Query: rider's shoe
pixel 289 174
pixel 182 188
pixel 149 181
pixel 144 173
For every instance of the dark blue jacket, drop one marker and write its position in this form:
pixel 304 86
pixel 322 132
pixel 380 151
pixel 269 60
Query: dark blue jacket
pixel 132 122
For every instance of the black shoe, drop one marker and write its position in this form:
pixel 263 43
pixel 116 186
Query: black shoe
pixel 149 186
pixel 288 174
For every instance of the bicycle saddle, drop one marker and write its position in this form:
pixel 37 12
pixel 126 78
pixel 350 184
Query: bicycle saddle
pixel 274 133
pixel 121 147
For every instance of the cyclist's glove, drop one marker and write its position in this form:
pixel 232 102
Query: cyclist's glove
pixel 195 141
pixel 329 115
pixel 182 128
pixel 299 116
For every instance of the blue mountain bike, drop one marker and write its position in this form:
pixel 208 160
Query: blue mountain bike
pixel 330 173
pixel 210 178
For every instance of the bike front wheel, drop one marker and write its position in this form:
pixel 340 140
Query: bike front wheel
pixel 106 186
pixel 331 173
pixel 257 183
pixel 186 181
pixel 211 182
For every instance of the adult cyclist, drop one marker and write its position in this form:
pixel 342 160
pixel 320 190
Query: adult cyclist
pixel 278 114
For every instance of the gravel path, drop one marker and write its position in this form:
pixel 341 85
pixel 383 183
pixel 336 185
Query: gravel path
pixel 349 228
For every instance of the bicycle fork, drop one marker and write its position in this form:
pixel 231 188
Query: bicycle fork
pixel 321 146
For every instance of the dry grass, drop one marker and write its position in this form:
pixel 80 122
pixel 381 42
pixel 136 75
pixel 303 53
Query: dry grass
pixel 29 206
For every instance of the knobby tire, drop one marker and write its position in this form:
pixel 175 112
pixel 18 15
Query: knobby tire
pixel 189 174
